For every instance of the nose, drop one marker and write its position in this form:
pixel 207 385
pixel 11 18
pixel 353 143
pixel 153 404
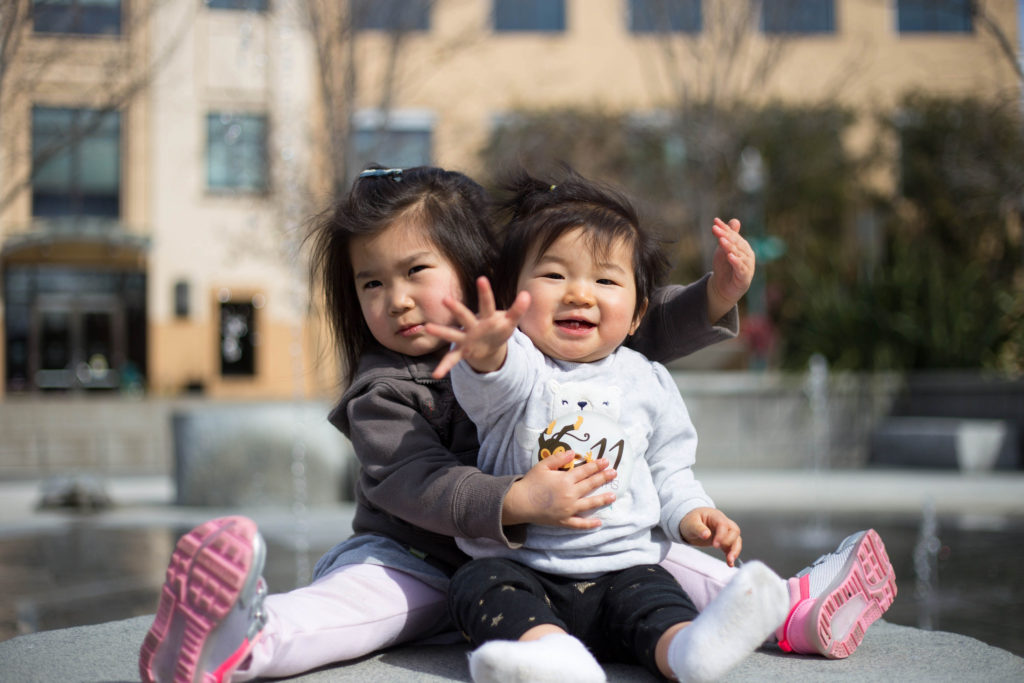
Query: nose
pixel 579 293
pixel 400 301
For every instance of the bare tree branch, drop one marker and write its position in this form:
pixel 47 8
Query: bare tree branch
pixel 1003 42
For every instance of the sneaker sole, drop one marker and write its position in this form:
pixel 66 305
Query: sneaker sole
pixel 210 568
pixel 863 591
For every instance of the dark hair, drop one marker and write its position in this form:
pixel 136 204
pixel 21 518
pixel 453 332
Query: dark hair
pixel 454 210
pixel 539 211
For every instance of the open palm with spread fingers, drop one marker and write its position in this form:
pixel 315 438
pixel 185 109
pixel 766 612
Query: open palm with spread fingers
pixel 733 263
pixel 482 338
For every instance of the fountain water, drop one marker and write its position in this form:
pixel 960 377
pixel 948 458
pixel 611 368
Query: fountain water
pixel 926 568
pixel 818 531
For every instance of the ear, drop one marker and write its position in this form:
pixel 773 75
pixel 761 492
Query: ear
pixel 638 316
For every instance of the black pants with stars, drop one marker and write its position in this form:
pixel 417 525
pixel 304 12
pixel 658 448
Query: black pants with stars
pixel 619 616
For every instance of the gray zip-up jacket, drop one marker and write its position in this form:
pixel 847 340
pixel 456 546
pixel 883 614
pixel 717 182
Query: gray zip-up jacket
pixel 417 449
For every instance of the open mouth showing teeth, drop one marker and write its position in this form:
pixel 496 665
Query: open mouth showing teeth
pixel 574 324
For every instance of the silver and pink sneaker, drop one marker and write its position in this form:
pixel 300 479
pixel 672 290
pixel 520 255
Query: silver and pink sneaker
pixel 836 599
pixel 210 612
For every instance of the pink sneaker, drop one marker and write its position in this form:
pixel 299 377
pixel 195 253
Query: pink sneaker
pixel 210 609
pixel 833 601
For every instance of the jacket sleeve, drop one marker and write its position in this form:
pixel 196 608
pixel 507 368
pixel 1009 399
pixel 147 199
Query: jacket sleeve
pixel 676 323
pixel 408 472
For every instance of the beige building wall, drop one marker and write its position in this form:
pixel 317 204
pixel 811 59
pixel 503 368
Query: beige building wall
pixel 231 246
pixel 460 75
pixel 467 74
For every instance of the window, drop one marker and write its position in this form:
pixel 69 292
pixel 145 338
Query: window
pixel 76 162
pixel 237 339
pixel 237 152
pixel 89 17
pixel 934 16
pixel 400 140
pixel 247 5
pixel 391 15
pixel 798 16
pixel 529 15
pixel 672 16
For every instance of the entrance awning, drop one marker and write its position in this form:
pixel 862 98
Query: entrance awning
pixel 77 241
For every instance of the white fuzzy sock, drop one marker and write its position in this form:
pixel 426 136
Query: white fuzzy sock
pixel 557 658
pixel 735 624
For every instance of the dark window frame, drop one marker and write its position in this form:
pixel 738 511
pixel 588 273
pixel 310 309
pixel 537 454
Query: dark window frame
pixel 798 17
pixel 529 16
pixel 253 156
pixel 665 16
pixel 73 198
pixel 397 138
pixel 77 18
pixel 934 16
pixel 391 15
pixel 239 5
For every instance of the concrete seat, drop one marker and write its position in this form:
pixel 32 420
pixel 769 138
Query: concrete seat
pixel 109 652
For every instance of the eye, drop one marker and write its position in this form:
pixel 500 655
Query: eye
pixel 564 402
pixel 371 284
pixel 416 269
pixel 606 281
pixel 553 276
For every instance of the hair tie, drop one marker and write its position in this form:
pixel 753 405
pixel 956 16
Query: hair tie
pixel 395 173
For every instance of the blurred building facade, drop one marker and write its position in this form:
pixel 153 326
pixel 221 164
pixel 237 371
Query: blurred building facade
pixel 159 158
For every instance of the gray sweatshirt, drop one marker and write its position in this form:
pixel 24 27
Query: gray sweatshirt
pixel 624 408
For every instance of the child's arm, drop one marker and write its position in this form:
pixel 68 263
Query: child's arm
pixel 411 474
pixel 684 319
pixel 711 527
pixel 687 513
pixel 483 339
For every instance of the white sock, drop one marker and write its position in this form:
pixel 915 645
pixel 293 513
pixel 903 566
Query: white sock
pixel 737 622
pixel 557 658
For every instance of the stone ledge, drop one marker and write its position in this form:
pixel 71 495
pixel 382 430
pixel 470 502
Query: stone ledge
pixel 109 652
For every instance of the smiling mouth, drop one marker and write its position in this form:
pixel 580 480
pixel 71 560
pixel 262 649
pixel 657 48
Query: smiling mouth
pixel 574 325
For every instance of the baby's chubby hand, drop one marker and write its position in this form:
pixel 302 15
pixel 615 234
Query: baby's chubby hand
pixel 711 527
pixel 550 496
pixel 479 339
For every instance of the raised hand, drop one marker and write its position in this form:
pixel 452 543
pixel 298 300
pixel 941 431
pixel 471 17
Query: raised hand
pixel 481 339
pixel 733 265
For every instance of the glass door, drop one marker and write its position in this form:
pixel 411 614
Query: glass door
pixel 79 342
pixel 54 348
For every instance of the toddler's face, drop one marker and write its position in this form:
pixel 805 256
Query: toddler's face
pixel 582 299
pixel 401 279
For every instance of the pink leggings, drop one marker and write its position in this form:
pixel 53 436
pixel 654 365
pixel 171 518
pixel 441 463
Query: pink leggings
pixel 361 608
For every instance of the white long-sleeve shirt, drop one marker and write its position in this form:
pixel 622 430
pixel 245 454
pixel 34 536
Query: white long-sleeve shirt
pixel 624 408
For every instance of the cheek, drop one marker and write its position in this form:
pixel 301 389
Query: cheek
pixel 530 323
pixel 624 308
pixel 371 313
